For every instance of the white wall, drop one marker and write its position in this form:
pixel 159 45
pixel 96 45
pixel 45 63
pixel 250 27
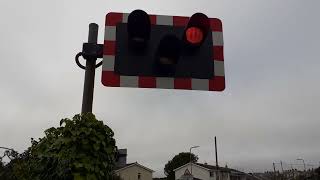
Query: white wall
pixel 197 172
pixel 131 173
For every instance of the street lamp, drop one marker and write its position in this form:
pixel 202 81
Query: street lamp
pixel 190 157
pixel 304 165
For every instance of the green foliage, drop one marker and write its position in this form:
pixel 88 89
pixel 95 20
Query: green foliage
pixel 177 161
pixel 81 148
pixel 6 170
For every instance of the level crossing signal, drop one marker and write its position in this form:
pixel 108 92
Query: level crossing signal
pixel 170 52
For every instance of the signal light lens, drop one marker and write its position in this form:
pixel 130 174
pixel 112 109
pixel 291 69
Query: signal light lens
pixel 168 50
pixel 194 35
pixel 167 55
pixel 139 27
pixel 196 30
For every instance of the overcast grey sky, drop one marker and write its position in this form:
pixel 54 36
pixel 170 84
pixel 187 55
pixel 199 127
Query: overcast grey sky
pixel 268 112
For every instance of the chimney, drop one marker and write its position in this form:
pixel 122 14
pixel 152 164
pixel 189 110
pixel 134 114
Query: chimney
pixel 121 158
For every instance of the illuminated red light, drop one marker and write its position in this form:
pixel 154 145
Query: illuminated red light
pixel 194 35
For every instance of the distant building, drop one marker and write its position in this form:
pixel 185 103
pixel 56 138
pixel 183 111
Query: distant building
pixel 288 174
pixel 134 171
pixel 131 171
pixel 197 171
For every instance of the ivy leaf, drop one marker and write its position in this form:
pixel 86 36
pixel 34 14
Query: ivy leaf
pixel 91 177
pixel 62 121
pixel 78 165
pixel 77 176
pixel 96 147
pixel 101 172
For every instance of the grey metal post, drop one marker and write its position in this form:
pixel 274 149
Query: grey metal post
pixel 190 157
pixel 190 161
pixel 88 88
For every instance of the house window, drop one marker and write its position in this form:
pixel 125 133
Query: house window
pixel 139 175
pixel 211 174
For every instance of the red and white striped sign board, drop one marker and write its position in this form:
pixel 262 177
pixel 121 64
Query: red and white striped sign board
pixel 111 79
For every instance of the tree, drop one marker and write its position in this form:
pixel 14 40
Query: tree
pixel 81 148
pixel 177 161
pixel 6 169
pixel 317 171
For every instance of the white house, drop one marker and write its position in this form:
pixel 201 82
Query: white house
pixel 134 171
pixel 131 171
pixel 208 172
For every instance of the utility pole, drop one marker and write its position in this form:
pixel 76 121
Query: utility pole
pixel 216 151
pixel 88 88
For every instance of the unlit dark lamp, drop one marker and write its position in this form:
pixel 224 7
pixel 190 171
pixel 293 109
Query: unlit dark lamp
pixel 138 28
pixel 168 54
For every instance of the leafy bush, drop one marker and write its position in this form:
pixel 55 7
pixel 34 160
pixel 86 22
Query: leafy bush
pixel 81 148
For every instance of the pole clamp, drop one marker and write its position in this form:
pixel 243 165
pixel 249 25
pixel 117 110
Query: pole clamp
pixel 90 51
